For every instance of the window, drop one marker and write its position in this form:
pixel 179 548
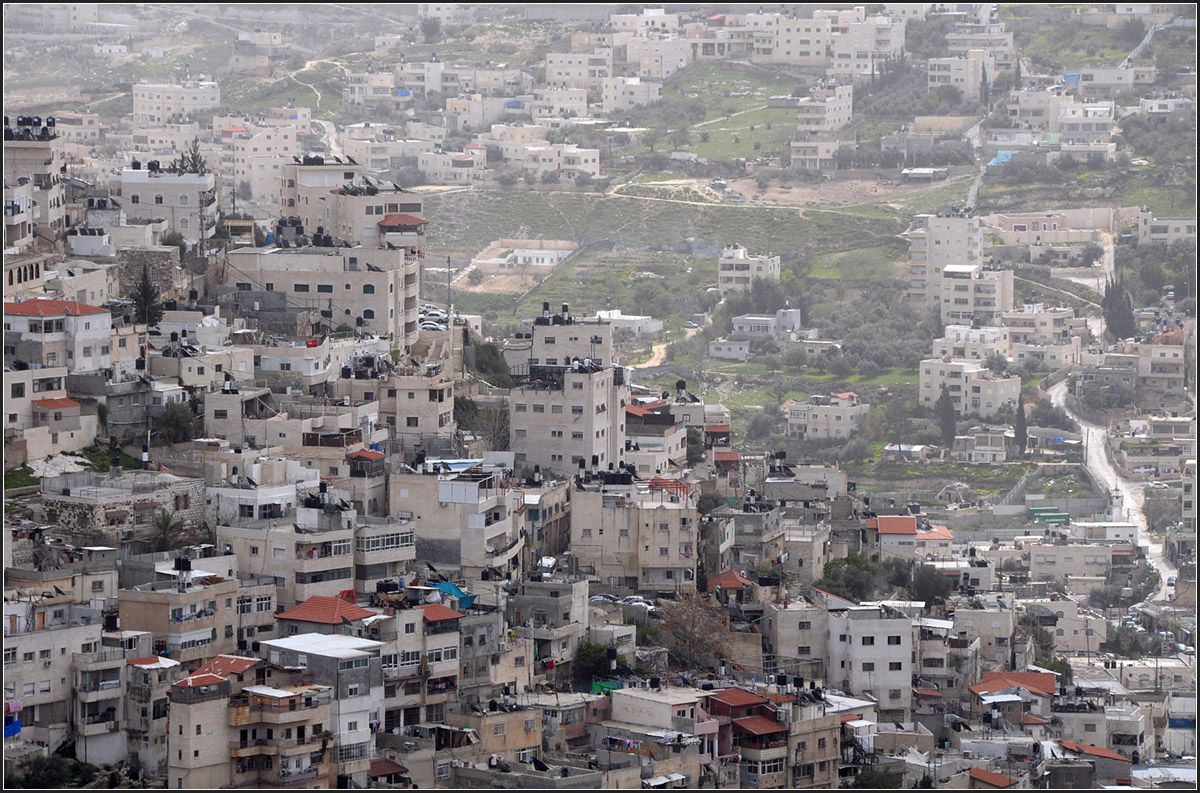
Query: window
pixel 868 641
pixel 498 729
pixel 411 421
pixel 1089 728
pixel 368 289
pixel 868 666
pixel 803 650
pixel 804 626
pixel 895 666
pixel 18 390
pixel 893 640
pixel 299 287
pixel 893 693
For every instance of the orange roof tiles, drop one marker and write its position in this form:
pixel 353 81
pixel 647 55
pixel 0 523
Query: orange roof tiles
pixel 1043 682
pixel 436 612
pixel 149 660
pixel 739 697
pixel 726 457
pixel 54 404
pixel 1033 718
pixel 847 395
pixel 936 533
pixel 894 524
pixel 759 725
pixel 51 308
pixel 226 665
pixel 325 610
pixel 636 410
pixel 365 454
pixel 927 692
pixel 402 220
pixel 1095 751
pixel 992 778
pixel 730 579
pixel 716 428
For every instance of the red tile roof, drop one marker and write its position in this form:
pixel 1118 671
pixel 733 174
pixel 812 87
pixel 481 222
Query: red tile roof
pixel 200 680
pixel 1037 682
pixel 382 767
pixel 927 692
pixel 759 725
pixel 149 660
pixel 1033 718
pixel 936 533
pixel 726 457
pixel 1095 751
pixel 738 697
pixel 54 404
pixel 402 220
pixel 716 428
pixel 436 612
pixel 730 579
pixel 992 778
pixel 847 395
pixel 51 308
pixel 365 454
pixel 238 128
pixel 226 665
pixel 325 610
pixel 894 524
pixel 635 410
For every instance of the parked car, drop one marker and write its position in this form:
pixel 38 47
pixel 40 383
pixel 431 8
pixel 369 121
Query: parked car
pixel 603 597
pixel 1171 581
pixel 689 325
pixel 636 600
pixel 433 326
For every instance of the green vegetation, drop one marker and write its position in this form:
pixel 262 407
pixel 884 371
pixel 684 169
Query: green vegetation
pixel 770 128
pixel 721 89
pixel 873 262
pixel 858 578
pixel 101 458
pixel 1054 42
pixel 20 477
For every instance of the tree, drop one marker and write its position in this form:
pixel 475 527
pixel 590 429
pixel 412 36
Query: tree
pixel 506 179
pixel 929 585
pixel 583 179
pixel 551 177
pixel 177 423
pixel 1019 428
pixel 877 779
pixel 147 308
pixel 591 662
pixel 984 90
pixel 707 503
pixel 947 416
pixel 431 29
pixel 997 363
pixel 652 136
pixel 169 530
pixel 691 633
pixel 695 445
pixel 476 277
pixel 191 161
pixel 244 191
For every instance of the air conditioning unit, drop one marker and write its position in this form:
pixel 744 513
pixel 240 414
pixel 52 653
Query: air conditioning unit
pixel 47 664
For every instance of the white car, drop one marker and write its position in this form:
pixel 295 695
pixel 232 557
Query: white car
pixel 635 600
pixel 433 326
pixel 439 316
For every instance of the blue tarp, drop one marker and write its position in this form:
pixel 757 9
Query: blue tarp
pixel 464 599
pixel 1071 78
pixel 403 92
pixel 12 728
pixel 513 103
pixel 1002 157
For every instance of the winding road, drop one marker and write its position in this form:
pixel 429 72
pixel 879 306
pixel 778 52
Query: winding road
pixel 1127 494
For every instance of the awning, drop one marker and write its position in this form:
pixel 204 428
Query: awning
pixel 655 781
pixel 673 777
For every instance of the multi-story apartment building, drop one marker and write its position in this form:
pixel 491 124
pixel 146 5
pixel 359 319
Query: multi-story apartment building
pixel 160 102
pixel 858 48
pixel 1034 323
pixel 825 109
pixel 794 42
pixel 975 293
pixel 857 636
pixel 836 416
pixel 563 415
pixel 466 515
pixel 654 441
pixel 992 38
pixel 558 339
pixel 352 668
pixel 636 535
pixel 657 57
pixel 968 74
pixel 1160 360
pixel 738 268
pixel 586 70
pixel 58 332
pixel 416 403
pixel 187 201
pixel 34 185
pixel 18 233
pixel 434 75
pixel 974 344
pixel 811 150
pixel 373 289
pixel 566 159
pixel 553 615
pixel 455 167
pixel 255 153
pixel 421 662
pixel 42 636
pixel 165 138
pixel 1108 82
pixel 559 103
pixel 625 93
pixel 935 241
pixel 972 387
pixel 1151 229
pixel 79 127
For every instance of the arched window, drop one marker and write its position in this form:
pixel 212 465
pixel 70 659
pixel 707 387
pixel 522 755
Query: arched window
pixel 183 224
pixel 368 314
pixel 368 289
pixel 183 200
pixel 158 199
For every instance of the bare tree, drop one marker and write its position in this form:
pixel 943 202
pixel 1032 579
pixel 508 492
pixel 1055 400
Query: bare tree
pixel 694 631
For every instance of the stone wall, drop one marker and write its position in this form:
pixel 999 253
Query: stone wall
pixel 163 261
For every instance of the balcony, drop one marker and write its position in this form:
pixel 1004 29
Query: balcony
pixel 100 724
pixel 287 779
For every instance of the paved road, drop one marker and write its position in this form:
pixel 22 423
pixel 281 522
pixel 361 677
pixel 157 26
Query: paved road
pixel 1127 494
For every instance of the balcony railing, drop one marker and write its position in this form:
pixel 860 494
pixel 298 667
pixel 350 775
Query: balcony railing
pixel 99 685
pixel 298 777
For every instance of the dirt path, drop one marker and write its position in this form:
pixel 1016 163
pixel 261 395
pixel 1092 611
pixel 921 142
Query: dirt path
pixel 660 352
